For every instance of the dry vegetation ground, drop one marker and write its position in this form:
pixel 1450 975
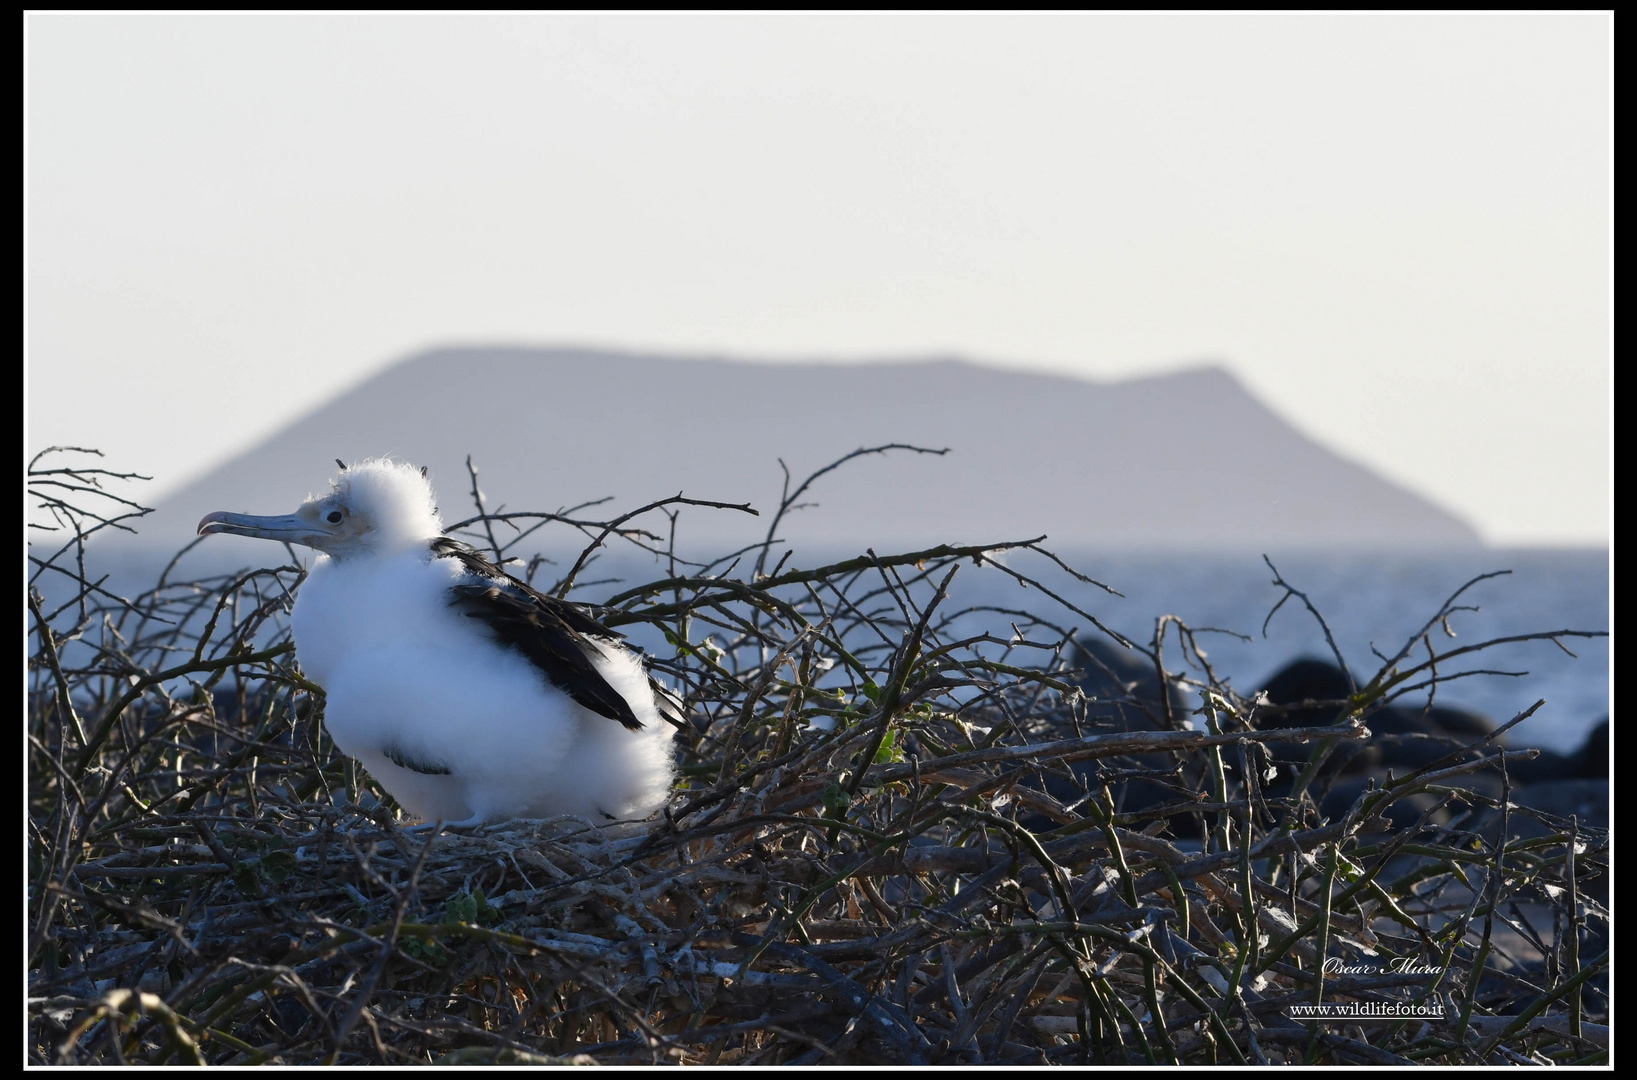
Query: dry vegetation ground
pixel 892 843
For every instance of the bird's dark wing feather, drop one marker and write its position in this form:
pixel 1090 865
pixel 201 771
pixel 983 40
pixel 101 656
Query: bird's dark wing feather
pixel 574 615
pixel 404 761
pixel 556 636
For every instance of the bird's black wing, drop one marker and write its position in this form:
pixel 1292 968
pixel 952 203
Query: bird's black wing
pixel 574 615
pixel 556 636
pixel 404 761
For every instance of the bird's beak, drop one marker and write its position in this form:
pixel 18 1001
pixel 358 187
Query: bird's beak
pixel 291 528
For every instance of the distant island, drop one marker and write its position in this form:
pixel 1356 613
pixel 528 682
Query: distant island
pixel 1185 460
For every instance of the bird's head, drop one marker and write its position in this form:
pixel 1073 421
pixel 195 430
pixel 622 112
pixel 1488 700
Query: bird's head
pixel 373 506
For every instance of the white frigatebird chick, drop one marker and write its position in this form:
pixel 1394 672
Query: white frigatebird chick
pixel 466 693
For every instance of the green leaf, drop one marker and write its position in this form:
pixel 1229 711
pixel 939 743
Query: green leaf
pixel 472 908
pixel 872 691
pixel 245 878
pixel 278 865
pixel 430 951
pixel 835 797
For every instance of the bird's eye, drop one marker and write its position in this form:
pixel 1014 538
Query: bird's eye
pixel 333 517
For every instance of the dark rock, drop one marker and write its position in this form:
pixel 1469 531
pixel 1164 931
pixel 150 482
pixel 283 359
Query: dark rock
pixel 1589 762
pixel 1545 768
pixel 1457 723
pixel 1408 738
pixel 1592 759
pixel 1583 798
pixel 1123 694
pixel 1401 814
pixel 1403 738
pixel 1123 688
pixel 1306 679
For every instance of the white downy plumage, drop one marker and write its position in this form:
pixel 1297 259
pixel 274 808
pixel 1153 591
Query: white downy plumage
pixel 468 695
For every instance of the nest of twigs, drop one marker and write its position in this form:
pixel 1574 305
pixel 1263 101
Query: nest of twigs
pixel 898 837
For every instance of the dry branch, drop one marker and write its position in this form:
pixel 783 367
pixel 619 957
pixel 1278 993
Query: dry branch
pixel 895 841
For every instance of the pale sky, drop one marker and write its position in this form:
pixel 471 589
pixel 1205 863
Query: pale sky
pixel 1394 228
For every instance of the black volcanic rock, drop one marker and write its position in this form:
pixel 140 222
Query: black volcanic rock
pixel 1122 687
pixel 1305 679
pixel 1123 694
pixel 1310 679
pixel 1591 761
pixel 1402 739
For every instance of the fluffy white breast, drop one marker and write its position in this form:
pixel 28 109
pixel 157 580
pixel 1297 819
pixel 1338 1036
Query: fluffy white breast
pixel 403 669
pixel 351 605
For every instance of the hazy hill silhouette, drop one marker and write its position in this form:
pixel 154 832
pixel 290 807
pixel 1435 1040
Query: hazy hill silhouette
pixel 1181 460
